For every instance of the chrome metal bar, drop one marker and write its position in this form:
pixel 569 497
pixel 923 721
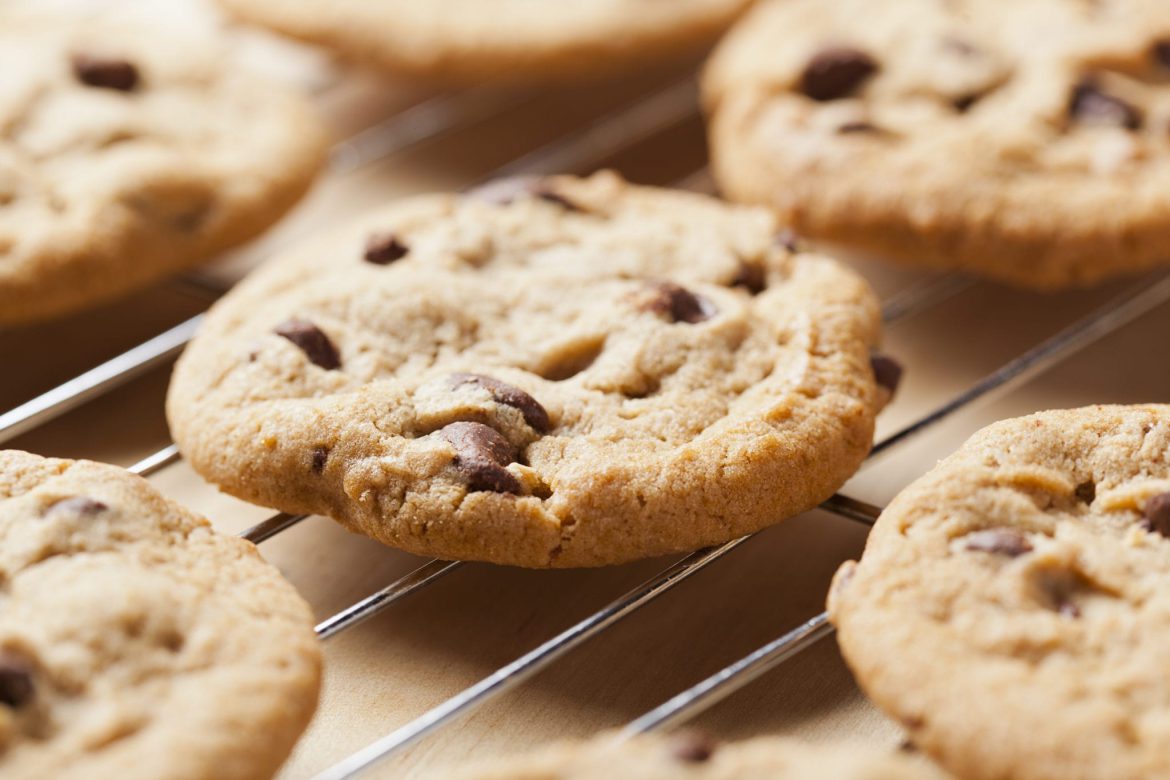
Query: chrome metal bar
pixel 923 294
pixel 526 665
pixel 97 381
pixel 731 678
pixel 1139 299
pixel 852 509
pixel 156 462
pixel 376 602
pixel 270 527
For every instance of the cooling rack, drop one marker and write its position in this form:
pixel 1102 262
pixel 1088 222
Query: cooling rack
pixel 970 342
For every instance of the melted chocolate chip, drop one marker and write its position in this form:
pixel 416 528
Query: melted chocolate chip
pixel 963 103
pixel 480 456
pixel 502 192
pixel 1086 492
pixel 836 73
pixel 1161 53
pixel 313 342
pixel 679 303
pixel 887 372
pixel 1156 514
pixel 77 505
pixel 751 277
pixel 105 72
pixel 510 395
pixel 320 456
pixel 16 683
pixel 693 747
pixel 1091 105
pixel 1002 541
pixel 384 249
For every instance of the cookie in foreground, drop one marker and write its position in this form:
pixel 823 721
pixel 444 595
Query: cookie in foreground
pixel 1025 140
pixel 693 755
pixel 136 642
pixel 509 40
pixel 1016 597
pixel 127 154
pixel 545 373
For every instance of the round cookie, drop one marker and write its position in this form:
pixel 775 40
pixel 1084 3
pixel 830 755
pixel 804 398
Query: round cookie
pixel 568 372
pixel 1025 140
pixel 1011 608
pixel 126 155
pixel 135 642
pixel 516 40
pixel 691 755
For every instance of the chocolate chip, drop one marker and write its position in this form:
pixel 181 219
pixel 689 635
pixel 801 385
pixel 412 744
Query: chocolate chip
pixel 963 103
pixel 384 249
pixel 1086 492
pixel 887 372
pixel 1156 514
pixel 510 395
pixel 502 192
pixel 678 303
pixel 836 72
pixel 480 456
pixel 320 456
pixel 693 747
pixel 1161 53
pixel 77 505
pixel 788 239
pixel 16 683
pixel 106 72
pixel 1069 610
pixel 1002 541
pixel 751 277
pixel 313 342
pixel 1091 105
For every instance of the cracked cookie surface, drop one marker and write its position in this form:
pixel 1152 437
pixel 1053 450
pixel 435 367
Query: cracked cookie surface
pixel 1027 140
pixel 470 40
pixel 692 755
pixel 1011 606
pixel 136 642
pixel 566 372
pixel 126 155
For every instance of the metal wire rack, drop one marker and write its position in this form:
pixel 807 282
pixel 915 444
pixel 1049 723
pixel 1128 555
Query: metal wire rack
pixel 578 151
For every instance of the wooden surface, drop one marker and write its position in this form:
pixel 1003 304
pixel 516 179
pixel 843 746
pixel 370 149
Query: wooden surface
pixel 434 643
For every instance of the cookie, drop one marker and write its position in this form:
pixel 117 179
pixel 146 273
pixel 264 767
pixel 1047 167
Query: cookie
pixel 1011 608
pixel 1027 141
pixel 567 372
pixel 126 155
pixel 691 755
pixel 135 642
pixel 515 40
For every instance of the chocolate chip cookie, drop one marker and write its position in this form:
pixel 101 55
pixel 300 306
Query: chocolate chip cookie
pixel 1011 606
pixel 126 155
pixel 518 40
pixel 1028 141
pixel 692 755
pixel 560 372
pixel 135 642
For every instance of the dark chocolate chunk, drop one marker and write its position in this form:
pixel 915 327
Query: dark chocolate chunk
pixel 16 683
pixel 106 72
pixel 751 277
pixel 693 747
pixel 77 505
pixel 1002 541
pixel 1161 53
pixel 1156 514
pixel 1086 492
pixel 887 372
pixel 679 303
pixel 320 456
pixel 501 192
pixel 312 341
pixel 510 395
pixel 836 73
pixel 1089 104
pixel 384 249
pixel 480 456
